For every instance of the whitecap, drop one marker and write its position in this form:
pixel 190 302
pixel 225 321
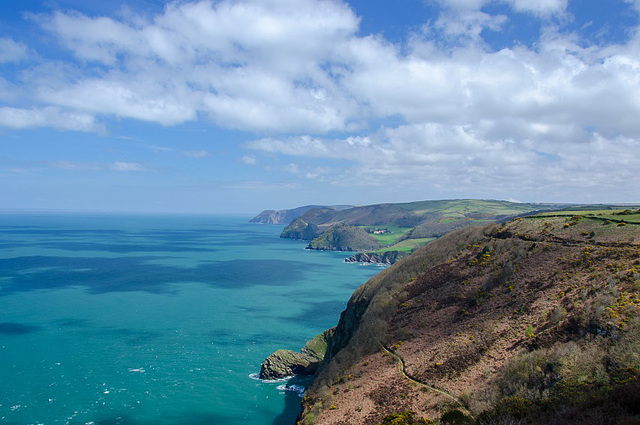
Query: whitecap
pixel 299 389
pixel 137 370
pixel 256 377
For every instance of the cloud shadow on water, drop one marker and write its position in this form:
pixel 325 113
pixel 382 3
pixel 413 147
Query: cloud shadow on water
pixel 125 274
pixel 320 312
pixel 187 418
pixel 13 328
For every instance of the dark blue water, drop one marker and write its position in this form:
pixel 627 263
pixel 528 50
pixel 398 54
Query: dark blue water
pixel 113 319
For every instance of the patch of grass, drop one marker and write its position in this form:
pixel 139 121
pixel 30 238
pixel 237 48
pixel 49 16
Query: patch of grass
pixel 404 418
pixel 408 245
pixel 391 235
pixel 615 215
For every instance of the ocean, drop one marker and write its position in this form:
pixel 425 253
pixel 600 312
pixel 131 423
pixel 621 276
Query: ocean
pixel 137 320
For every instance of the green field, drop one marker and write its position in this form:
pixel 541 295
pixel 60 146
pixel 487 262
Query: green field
pixel 616 215
pixel 388 238
pixel 457 208
pixel 407 245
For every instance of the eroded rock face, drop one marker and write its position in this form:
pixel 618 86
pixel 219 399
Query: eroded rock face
pixel 343 237
pixel 388 257
pixel 300 229
pixel 285 363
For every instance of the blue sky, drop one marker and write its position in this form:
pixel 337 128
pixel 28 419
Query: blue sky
pixel 235 106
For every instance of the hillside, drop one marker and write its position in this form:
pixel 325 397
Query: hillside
pixel 287 216
pixel 419 222
pixel 342 237
pixel 536 320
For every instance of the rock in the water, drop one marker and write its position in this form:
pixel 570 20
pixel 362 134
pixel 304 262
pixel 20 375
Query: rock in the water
pixel 285 363
pixel 387 257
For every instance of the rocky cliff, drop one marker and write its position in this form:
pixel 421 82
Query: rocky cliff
pixel 342 237
pixel 286 363
pixel 301 230
pixel 533 321
pixel 281 216
pixel 386 257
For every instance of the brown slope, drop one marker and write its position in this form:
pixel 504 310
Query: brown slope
pixel 529 311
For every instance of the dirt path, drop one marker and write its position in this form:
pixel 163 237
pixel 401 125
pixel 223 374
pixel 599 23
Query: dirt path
pixel 403 370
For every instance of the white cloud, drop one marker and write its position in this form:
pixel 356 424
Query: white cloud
pixel 540 7
pixel 466 161
pixel 536 7
pixel 259 186
pixel 245 64
pixel 54 117
pixel 551 115
pixel 195 154
pixel 76 166
pixel 127 166
pixel 119 166
pixel 249 160
pixel 462 21
pixel 11 51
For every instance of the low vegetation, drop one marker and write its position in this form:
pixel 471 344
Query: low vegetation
pixel 396 227
pixel 536 320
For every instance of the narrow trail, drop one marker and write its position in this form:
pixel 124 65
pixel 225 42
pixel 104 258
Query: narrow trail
pixel 403 370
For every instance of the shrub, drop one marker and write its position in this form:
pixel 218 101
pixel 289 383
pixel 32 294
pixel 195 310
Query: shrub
pixel 454 417
pixel 529 332
pixel 405 418
pixel 516 407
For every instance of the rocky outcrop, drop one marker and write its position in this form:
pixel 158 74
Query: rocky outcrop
pixel 386 257
pixel 285 363
pixel 533 321
pixel 342 237
pixel 281 216
pixel 300 229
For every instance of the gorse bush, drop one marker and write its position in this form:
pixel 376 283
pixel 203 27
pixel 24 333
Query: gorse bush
pixel 405 418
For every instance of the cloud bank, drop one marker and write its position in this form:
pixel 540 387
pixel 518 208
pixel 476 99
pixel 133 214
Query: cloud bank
pixel 444 110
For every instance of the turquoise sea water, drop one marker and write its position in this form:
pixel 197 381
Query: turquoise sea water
pixel 114 319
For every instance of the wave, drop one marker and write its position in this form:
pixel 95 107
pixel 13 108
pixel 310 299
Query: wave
pixel 256 377
pixel 299 389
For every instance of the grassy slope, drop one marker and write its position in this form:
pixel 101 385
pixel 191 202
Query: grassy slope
pixel 444 212
pixel 407 245
pixel 383 215
pixel 531 319
pixel 616 215
pixel 388 238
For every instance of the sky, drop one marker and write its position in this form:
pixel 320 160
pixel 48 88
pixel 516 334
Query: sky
pixel 235 106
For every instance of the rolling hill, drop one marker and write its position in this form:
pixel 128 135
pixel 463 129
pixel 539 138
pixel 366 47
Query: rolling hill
pixel 534 320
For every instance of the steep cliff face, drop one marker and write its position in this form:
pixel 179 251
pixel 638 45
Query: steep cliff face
pixel 342 237
pixel 301 230
pixel 286 363
pixel 533 321
pixel 386 257
pixel 281 216
pixel 374 301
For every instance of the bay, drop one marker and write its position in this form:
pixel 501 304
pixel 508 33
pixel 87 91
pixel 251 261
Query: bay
pixel 133 319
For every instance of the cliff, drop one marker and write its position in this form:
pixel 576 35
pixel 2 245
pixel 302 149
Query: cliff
pixel 281 216
pixel 342 237
pixel 286 363
pixel 405 224
pixel 300 229
pixel 533 321
pixel 385 257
